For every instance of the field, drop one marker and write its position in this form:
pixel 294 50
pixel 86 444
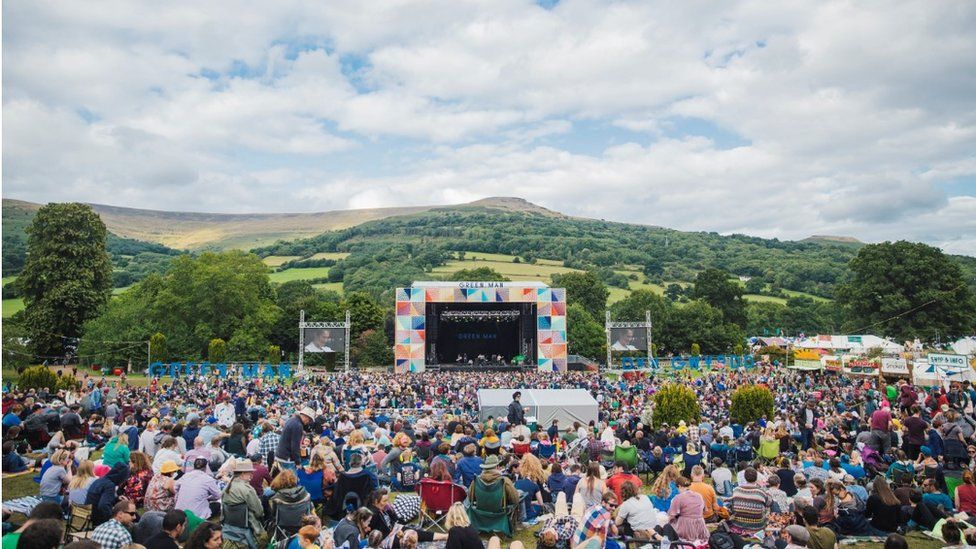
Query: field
pixel 12 307
pixel 276 260
pixel 330 255
pixel 304 273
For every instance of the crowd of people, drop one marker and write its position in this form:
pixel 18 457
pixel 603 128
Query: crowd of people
pixel 343 459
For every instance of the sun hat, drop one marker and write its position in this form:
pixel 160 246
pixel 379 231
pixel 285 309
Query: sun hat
pixel 307 412
pixel 490 463
pixel 243 466
pixel 169 466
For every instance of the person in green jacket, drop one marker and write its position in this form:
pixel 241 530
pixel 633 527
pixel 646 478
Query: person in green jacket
pixel 116 451
pixel 239 491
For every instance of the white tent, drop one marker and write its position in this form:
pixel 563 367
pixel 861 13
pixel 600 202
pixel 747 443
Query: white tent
pixel 965 346
pixel 854 343
pixel 929 375
pixel 566 405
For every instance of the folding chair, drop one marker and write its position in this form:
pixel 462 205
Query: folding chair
pixel 288 518
pixel 436 497
pixel 490 512
pixel 80 522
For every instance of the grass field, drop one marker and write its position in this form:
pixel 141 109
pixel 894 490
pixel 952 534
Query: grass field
pixel 330 255
pixel 12 307
pixel 275 260
pixel 8 279
pixel 304 273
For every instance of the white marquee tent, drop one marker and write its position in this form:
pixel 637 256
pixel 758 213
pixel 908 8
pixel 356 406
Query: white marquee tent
pixel 852 343
pixel 965 346
pixel 566 405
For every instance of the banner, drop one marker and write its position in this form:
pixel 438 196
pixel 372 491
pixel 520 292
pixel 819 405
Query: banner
pixel 246 369
pixel 713 362
pixel 894 366
pixel 948 361
pixel 859 366
pixel 831 363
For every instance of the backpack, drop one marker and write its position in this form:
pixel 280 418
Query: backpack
pixel 721 540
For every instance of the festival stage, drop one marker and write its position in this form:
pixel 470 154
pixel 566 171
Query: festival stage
pixel 480 326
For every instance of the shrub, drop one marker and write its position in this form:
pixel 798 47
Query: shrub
pixel 67 383
pixel 217 351
pixel 750 403
pixel 695 349
pixel 673 403
pixel 274 354
pixel 38 377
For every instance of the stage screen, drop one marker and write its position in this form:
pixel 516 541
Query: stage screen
pixel 476 333
pixel 628 339
pixel 325 340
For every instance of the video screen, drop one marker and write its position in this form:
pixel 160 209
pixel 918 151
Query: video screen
pixel 325 340
pixel 628 339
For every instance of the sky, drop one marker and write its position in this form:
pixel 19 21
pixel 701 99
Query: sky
pixel 775 119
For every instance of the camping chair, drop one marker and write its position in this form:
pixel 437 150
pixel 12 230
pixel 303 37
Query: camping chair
pixel 348 490
pixel 490 512
pixel 79 523
pixel 288 519
pixel 237 524
pixel 436 497
pixel 768 450
pixel 626 455
pixel 546 451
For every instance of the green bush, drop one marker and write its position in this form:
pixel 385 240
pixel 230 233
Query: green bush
pixel 217 351
pixel 38 377
pixel 67 383
pixel 695 349
pixel 750 403
pixel 673 403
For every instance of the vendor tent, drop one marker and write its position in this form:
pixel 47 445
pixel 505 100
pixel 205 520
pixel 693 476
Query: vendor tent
pixel 932 375
pixel 566 405
pixel 965 346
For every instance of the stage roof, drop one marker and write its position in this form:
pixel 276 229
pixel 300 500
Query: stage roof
pixel 566 405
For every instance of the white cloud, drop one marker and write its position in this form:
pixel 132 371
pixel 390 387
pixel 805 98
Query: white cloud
pixel 847 118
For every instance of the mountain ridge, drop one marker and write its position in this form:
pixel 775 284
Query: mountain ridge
pixel 208 230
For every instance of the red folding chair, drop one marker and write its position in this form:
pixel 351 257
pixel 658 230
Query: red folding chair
pixel 436 497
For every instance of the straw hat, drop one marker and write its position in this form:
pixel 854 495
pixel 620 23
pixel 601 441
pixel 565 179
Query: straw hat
pixel 169 466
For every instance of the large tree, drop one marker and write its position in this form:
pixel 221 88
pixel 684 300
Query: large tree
pixel 586 336
pixel 907 290
pixel 481 274
pixel 584 289
pixel 716 288
pixel 67 278
pixel 226 296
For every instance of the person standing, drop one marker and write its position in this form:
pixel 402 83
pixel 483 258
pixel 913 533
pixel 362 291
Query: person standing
pixel 288 454
pixel 516 413
pixel 880 425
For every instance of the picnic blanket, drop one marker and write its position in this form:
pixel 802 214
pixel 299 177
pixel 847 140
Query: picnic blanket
pixel 22 505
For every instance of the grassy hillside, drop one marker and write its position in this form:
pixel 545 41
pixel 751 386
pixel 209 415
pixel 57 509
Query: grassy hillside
pixel 560 243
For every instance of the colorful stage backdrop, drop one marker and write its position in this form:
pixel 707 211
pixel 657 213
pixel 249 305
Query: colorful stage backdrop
pixel 411 310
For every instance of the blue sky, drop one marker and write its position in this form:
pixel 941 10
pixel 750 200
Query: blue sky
pixel 812 117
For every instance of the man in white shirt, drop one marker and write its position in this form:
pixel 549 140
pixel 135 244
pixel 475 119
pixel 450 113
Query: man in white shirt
pixel 224 412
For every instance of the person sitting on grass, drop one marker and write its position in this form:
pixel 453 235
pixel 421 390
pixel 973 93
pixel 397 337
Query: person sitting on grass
pixel 46 510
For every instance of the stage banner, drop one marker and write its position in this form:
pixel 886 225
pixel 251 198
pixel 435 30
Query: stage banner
pixel 325 340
